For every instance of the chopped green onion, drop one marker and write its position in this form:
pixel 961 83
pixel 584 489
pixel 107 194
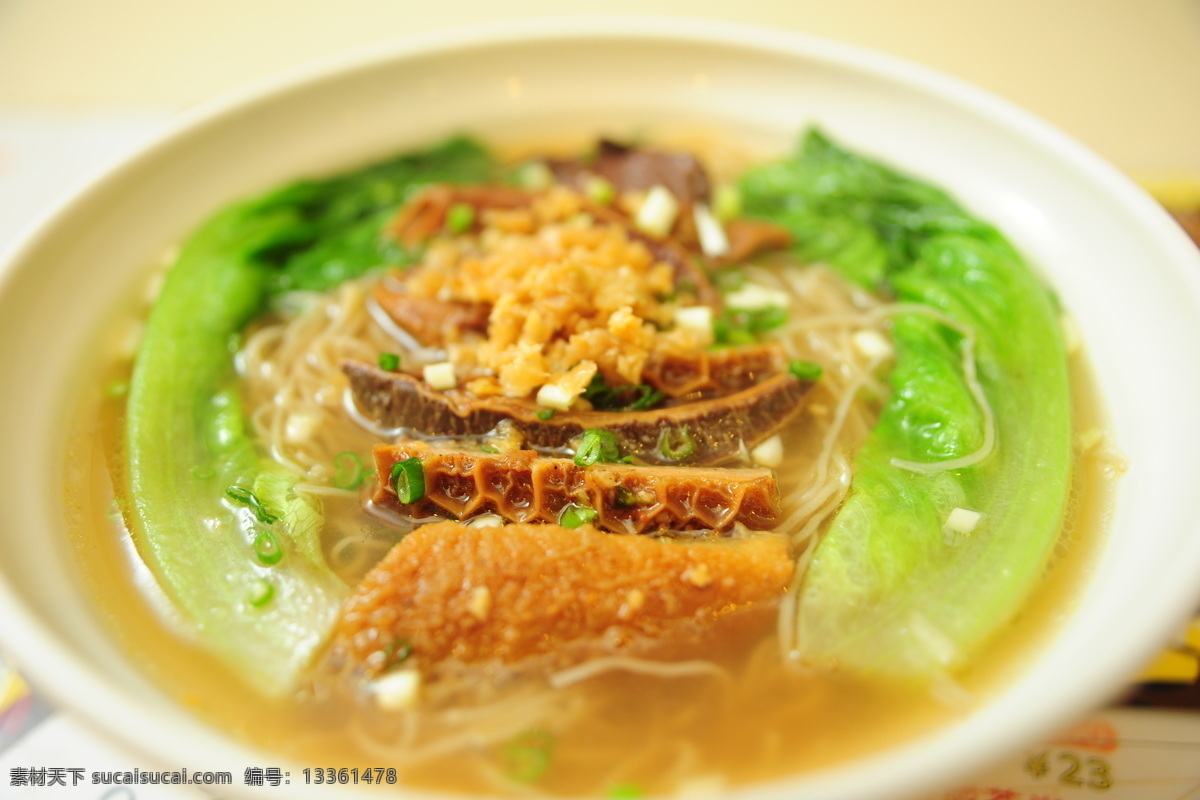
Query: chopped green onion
pixel 460 217
pixel 408 479
pixel 769 318
pixel 648 396
pixel 729 280
pixel 245 497
pixel 625 791
pixel 487 448
pixel 545 414
pixel 676 443
pixel 632 397
pixel 684 288
pixel 261 592
pixel 726 333
pixel 746 326
pixel 527 755
pixel 805 370
pixel 596 445
pixel 535 175
pixel 599 190
pixel 349 470
pixel 267 549
pixel 573 515
pixel 389 361
pixel 727 202
pixel 625 498
pixel 396 652
pixel 598 393
pixel 582 220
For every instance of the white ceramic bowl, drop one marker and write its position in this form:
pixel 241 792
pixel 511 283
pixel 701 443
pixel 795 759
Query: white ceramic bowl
pixel 1131 278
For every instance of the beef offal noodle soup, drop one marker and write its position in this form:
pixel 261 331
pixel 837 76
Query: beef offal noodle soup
pixel 597 473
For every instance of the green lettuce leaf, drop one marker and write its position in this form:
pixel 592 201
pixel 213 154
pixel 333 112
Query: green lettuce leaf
pixel 890 590
pixel 186 432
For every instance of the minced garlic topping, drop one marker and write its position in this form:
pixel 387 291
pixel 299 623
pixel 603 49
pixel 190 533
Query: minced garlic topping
pixel 569 297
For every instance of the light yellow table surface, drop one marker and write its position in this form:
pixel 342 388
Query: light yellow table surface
pixel 1122 76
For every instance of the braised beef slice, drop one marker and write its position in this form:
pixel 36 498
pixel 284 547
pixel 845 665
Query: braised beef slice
pixel 631 168
pixel 703 432
pixel 531 593
pixel 433 323
pixel 635 169
pixel 523 486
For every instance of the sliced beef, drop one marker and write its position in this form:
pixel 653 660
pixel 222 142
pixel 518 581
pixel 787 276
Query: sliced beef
pixel 703 432
pixel 432 323
pixel 631 168
pixel 708 373
pixel 635 169
pixel 523 486
pixel 479 595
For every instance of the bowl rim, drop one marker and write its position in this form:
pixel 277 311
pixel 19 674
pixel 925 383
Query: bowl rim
pixel 54 667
